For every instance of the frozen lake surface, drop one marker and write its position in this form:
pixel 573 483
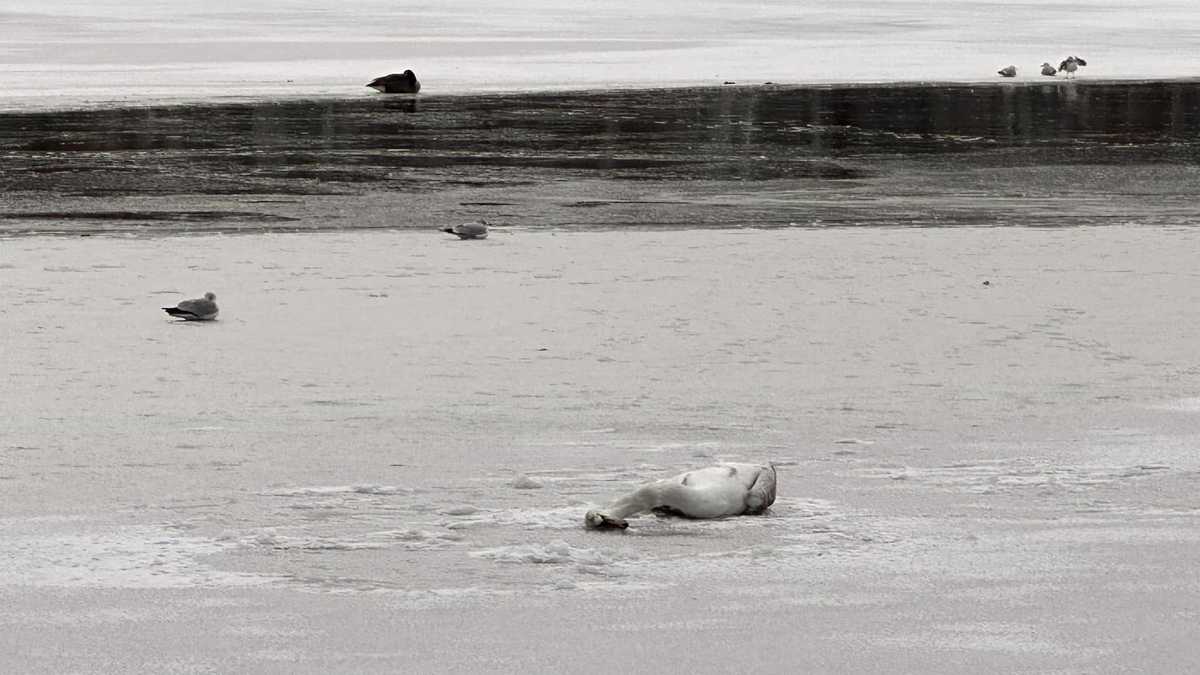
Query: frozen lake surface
pixel 379 457
pixel 72 53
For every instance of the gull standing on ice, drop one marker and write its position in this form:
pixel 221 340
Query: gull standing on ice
pixel 1010 71
pixel 1048 70
pixel 477 230
pixel 200 309
pixel 1071 64
pixel 731 489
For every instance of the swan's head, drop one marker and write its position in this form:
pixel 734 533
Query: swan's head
pixel 594 520
pixel 210 296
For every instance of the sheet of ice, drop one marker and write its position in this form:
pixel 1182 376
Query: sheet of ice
pixel 98 52
pixel 1026 501
pixel 75 553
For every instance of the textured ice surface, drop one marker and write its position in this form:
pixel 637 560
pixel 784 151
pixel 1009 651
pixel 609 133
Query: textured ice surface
pixel 1026 501
pixel 51 553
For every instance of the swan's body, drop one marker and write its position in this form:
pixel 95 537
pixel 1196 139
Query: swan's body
pixel 200 309
pixel 1009 71
pixel 732 489
pixel 1049 70
pixel 396 83
pixel 469 230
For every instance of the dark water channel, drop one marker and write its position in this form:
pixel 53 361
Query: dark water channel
pixel 767 156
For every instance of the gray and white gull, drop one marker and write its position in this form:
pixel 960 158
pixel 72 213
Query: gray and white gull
pixel 199 309
pixel 478 230
pixel 1071 64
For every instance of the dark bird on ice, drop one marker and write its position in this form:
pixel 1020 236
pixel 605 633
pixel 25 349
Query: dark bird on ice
pixel 1049 70
pixel 396 83
pixel 1071 64
pixel 1010 71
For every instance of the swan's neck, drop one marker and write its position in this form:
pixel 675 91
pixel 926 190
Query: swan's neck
pixel 640 500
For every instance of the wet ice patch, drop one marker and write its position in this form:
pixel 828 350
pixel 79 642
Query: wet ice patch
pixel 999 637
pixel 328 490
pixel 1188 405
pixel 552 553
pixel 124 557
pixel 564 518
pixel 280 542
pixel 1007 476
pixel 410 538
pixel 370 489
pixel 853 441
pixel 421 535
pixel 523 482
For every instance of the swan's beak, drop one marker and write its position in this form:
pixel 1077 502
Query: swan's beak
pixel 598 521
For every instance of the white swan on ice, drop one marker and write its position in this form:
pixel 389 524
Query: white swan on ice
pixel 200 309
pixel 731 489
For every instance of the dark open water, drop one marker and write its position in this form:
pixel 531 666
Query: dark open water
pixel 1055 154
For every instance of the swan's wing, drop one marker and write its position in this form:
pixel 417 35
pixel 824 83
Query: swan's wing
pixel 762 493
pixel 711 492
